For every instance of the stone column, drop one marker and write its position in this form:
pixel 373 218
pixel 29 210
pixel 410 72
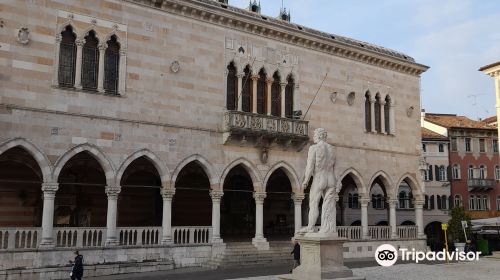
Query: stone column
pixel 282 96
pixel 259 240
pixel 269 83
pixel 392 217
pixel 382 117
pixel 49 194
pixel 78 67
pixel 239 92
pixel 100 76
pixel 255 78
pixel 55 65
pixel 372 113
pixel 364 217
pixel 392 122
pixel 122 72
pixel 111 237
pixel 297 202
pixel 167 194
pixel 216 198
pixel 419 205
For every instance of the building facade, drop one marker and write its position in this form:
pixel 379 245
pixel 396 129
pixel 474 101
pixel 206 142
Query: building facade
pixel 173 127
pixel 473 160
pixel 437 199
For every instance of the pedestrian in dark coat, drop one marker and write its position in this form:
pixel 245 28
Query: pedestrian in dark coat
pixel 296 254
pixel 77 269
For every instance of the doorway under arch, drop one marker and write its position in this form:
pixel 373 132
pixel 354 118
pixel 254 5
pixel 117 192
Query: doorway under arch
pixel 278 207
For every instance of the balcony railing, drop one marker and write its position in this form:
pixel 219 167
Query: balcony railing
pixel 263 127
pixel 484 184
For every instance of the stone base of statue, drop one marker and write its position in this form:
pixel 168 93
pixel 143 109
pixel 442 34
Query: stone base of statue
pixel 321 258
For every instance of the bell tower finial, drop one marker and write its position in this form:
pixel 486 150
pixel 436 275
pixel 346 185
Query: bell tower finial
pixel 253 6
pixel 284 15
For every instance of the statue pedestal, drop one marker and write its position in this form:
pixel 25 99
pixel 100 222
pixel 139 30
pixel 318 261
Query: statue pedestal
pixel 321 258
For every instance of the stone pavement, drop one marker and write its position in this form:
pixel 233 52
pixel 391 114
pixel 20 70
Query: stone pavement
pixel 485 268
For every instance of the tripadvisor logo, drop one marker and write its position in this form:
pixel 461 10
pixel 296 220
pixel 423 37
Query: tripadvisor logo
pixel 387 255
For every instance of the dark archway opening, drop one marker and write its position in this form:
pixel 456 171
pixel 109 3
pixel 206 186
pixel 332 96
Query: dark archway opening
pixel 21 201
pixel 348 205
pixel 378 202
pixel 140 203
pixel 278 207
pixel 435 236
pixel 192 205
pixel 238 206
pixel 81 200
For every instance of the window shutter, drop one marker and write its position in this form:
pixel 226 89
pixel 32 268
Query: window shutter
pixel 448 173
pixel 436 168
pixel 430 173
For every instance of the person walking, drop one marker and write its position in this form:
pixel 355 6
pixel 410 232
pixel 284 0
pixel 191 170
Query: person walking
pixel 296 254
pixel 77 269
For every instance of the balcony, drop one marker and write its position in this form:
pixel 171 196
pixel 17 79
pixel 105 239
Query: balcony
pixel 264 130
pixel 480 184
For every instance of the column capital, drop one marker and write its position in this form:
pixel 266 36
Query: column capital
pixel 419 203
pixel 269 81
pixel 79 42
pixel 50 187
pixel 392 202
pixel 123 52
pixel 298 197
pixel 254 77
pixel 259 197
pixel 240 75
pixel 283 84
pixel 58 38
pixel 216 195
pixel 167 193
pixel 102 47
pixel 112 192
pixel 364 201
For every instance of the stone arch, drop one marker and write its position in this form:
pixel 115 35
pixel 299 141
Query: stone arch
pixel 205 165
pixel 249 167
pixel 86 32
pixel 386 179
pixel 358 179
pixel 34 151
pixel 412 182
pixel 111 34
pixel 104 161
pixel 152 157
pixel 63 26
pixel 289 171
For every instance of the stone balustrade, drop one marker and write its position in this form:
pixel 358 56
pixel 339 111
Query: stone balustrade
pixel 133 236
pixel 79 236
pixel 264 127
pixel 407 232
pixel 379 232
pixel 350 232
pixel 19 238
pixel 192 235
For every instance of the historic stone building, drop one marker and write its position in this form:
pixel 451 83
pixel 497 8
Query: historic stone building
pixel 162 130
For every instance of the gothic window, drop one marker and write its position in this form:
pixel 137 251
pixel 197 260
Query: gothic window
pixel 456 171
pixel 482 172
pixel 67 58
pixel 431 202
pixel 426 202
pixel 261 92
pixel 387 115
pixel 90 62
pixel 368 112
pixel 289 97
pixel 232 83
pixel 276 95
pixel 458 200
pixel 470 172
pixel 246 94
pixel 378 111
pixel 111 63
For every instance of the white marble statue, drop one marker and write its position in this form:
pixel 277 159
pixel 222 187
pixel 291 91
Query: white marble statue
pixel 320 166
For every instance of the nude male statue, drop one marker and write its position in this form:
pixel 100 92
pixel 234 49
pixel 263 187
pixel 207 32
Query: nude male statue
pixel 320 166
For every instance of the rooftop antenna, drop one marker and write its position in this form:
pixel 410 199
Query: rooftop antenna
pixel 474 103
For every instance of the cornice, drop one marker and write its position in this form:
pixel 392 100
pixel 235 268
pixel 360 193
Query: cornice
pixel 286 32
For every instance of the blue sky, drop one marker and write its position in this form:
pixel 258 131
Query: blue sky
pixel 453 37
